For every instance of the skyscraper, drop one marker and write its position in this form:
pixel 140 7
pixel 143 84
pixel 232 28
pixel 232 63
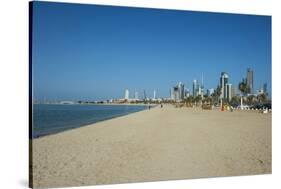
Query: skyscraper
pixel 194 88
pixel 233 91
pixel 223 82
pixel 202 87
pixel 126 94
pixel 210 91
pixel 136 95
pixel 144 95
pixel 186 93
pixel 229 91
pixel 154 94
pixel 250 81
pixel 177 92
pixel 181 90
pixel 172 94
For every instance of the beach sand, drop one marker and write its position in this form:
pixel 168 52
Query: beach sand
pixel 158 144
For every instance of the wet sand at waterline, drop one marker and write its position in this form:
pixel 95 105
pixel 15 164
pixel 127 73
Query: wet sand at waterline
pixel 157 144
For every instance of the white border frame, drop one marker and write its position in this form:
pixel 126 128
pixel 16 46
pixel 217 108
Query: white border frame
pixel 14 90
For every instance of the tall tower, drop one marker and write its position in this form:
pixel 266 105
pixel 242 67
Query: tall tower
pixel 194 88
pixel 181 90
pixel 202 86
pixel 223 83
pixel 229 91
pixel 154 94
pixel 172 94
pixel 126 94
pixel 250 81
pixel 136 95
pixel 144 95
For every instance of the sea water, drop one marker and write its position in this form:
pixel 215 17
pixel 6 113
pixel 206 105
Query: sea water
pixel 54 118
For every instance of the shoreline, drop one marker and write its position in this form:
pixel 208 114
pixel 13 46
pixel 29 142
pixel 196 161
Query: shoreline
pixel 85 125
pixel 160 144
pixel 108 104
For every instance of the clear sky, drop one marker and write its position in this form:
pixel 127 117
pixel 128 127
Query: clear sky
pixel 89 52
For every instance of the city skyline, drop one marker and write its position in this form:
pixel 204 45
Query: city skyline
pixel 100 59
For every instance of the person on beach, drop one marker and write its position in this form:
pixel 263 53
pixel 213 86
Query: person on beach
pixel 161 105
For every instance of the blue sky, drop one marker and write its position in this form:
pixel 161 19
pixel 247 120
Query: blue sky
pixel 89 52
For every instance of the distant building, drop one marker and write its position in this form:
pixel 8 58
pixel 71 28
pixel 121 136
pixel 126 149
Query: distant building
pixel 195 88
pixel 201 87
pixel 177 92
pixel 260 91
pixel 154 94
pixel 126 94
pixel 229 93
pixel 67 102
pixel 186 93
pixel 233 92
pixel 223 82
pixel 144 95
pixel 250 81
pixel 263 90
pixel 200 90
pixel 210 91
pixel 172 93
pixel 181 90
pixel 136 95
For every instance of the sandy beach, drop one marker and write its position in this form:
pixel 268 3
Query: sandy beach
pixel 158 144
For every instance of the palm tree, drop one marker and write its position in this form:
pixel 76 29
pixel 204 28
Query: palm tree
pixel 198 99
pixel 216 94
pixel 243 89
pixel 261 98
pixel 251 99
pixel 234 101
pixel 207 99
pixel 189 101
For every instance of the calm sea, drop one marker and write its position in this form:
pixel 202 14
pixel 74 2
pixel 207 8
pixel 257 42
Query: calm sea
pixel 49 118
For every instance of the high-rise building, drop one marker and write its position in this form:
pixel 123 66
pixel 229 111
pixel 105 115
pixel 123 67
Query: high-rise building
pixel 177 92
pixel 202 87
pixel 223 82
pixel 260 91
pixel 210 91
pixel 186 93
pixel 136 95
pixel 127 94
pixel 228 91
pixel 233 91
pixel 172 94
pixel 154 94
pixel 144 95
pixel 250 81
pixel 181 90
pixel 199 91
pixel 194 88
